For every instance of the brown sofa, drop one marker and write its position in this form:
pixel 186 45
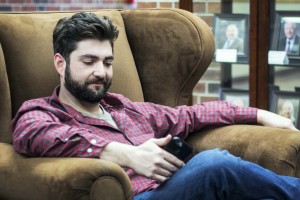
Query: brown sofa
pixel 160 56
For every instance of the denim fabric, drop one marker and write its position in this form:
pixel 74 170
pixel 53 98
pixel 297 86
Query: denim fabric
pixel 216 174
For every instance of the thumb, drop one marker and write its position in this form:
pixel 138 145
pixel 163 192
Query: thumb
pixel 162 141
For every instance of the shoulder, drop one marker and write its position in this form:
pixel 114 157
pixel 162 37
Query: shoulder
pixel 33 103
pixel 115 98
pixel 31 106
pixel 240 40
pixel 40 105
pixel 119 100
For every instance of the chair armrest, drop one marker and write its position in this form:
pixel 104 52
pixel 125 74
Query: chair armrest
pixel 272 148
pixel 24 178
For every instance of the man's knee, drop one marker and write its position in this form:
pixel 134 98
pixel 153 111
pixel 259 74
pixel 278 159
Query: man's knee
pixel 215 160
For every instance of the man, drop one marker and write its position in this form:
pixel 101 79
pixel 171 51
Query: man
pixel 287 110
pixel 81 119
pixel 290 41
pixel 233 41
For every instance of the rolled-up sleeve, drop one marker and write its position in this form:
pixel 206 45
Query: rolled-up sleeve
pixel 183 120
pixel 38 133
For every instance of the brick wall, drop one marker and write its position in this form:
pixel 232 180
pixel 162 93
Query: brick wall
pixel 208 87
pixel 205 90
pixel 53 5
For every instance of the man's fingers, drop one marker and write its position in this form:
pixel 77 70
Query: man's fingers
pixel 170 158
pixel 170 167
pixel 164 172
pixel 162 141
pixel 159 178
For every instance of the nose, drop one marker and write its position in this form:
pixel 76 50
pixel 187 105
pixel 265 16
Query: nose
pixel 99 70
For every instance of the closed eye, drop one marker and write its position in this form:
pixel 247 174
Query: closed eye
pixel 88 62
pixel 108 64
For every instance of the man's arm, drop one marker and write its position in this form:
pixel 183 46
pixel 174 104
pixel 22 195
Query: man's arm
pixel 188 119
pixel 270 119
pixel 148 159
pixel 38 133
pixel 183 120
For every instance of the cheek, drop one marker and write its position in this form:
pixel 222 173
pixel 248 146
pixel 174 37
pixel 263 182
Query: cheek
pixel 81 75
pixel 109 73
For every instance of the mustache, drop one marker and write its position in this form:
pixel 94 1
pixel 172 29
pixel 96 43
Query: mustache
pixel 96 80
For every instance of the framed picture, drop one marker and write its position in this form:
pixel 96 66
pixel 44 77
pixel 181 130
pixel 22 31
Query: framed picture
pixel 272 90
pixel 287 104
pixel 286 35
pixel 235 96
pixel 231 31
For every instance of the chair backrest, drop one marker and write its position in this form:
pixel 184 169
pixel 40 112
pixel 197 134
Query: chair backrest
pixel 172 49
pixel 160 55
pixel 5 105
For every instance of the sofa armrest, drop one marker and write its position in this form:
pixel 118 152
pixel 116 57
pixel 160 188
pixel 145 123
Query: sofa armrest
pixel 24 178
pixel 275 149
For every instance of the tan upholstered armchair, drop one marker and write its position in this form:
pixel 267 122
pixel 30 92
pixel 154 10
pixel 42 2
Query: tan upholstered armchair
pixel 160 56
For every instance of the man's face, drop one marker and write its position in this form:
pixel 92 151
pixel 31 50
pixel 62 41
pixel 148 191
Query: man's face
pixel 287 109
pixel 231 32
pixel 289 30
pixel 89 73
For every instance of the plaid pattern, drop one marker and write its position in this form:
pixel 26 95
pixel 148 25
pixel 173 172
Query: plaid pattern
pixel 46 127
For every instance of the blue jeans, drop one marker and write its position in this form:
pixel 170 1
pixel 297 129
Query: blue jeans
pixel 216 174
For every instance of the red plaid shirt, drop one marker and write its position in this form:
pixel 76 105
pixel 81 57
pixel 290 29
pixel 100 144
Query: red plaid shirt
pixel 47 127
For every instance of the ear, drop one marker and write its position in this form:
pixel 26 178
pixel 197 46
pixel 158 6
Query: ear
pixel 60 64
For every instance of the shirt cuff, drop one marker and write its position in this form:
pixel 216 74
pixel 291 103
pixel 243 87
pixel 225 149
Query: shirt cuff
pixel 246 115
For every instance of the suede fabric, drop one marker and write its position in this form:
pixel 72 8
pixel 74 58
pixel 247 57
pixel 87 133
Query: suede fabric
pixel 5 105
pixel 166 53
pixel 27 61
pixel 275 149
pixel 181 49
pixel 28 52
pixel 60 178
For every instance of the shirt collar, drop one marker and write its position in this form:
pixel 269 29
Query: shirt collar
pixel 292 39
pixel 110 102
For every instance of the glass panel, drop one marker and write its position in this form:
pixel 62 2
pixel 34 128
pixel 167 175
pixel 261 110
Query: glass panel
pixel 284 95
pixel 223 80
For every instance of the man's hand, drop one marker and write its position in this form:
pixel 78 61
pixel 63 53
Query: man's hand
pixel 154 162
pixel 148 159
pixel 267 118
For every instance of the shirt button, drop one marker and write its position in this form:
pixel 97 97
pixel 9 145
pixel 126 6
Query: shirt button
pixel 93 141
pixel 89 150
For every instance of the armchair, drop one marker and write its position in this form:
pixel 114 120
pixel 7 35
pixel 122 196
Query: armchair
pixel 160 56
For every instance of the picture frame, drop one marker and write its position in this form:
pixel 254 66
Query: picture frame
pixel 237 97
pixel 285 22
pixel 287 104
pixel 236 27
pixel 272 89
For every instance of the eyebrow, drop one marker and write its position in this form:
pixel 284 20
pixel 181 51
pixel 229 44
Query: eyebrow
pixel 96 57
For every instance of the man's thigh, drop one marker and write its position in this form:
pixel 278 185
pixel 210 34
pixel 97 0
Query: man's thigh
pixel 190 182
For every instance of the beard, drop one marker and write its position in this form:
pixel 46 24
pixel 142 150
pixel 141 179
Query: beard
pixel 82 92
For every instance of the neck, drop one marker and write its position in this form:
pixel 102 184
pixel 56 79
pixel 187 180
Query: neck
pixel 67 98
pixel 291 38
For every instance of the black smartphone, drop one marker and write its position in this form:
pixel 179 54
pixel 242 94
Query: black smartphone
pixel 179 148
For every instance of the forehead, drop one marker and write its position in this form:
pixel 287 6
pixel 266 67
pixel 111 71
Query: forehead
pixel 93 47
pixel 231 28
pixel 288 25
